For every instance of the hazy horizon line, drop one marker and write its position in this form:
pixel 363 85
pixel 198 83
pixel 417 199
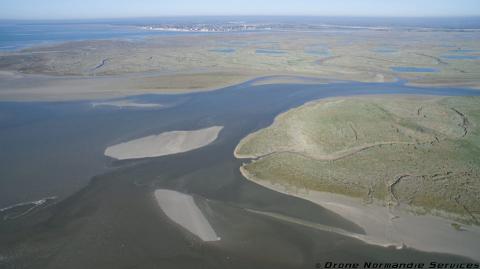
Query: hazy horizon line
pixel 246 15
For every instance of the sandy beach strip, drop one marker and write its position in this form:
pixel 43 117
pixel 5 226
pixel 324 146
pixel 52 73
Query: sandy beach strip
pixel 181 209
pixel 166 143
pixel 126 104
pixel 390 227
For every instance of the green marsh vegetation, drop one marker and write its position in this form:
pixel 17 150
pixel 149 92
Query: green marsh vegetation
pixel 415 152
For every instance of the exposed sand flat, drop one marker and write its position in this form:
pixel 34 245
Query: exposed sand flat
pixel 16 86
pixel 181 209
pixel 163 144
pixel 126 104
pixel 385 226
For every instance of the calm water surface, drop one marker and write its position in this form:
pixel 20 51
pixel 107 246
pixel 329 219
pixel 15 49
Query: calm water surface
pixel 411 69
pixel 53 149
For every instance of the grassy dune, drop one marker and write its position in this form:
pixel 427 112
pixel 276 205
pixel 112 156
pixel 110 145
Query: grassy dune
pixel 417 153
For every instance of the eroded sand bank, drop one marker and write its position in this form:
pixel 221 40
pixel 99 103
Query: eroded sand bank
pixel 163 144
pixel 390 227
pixel 181 209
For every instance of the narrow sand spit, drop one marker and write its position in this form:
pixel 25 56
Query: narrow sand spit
pixel 181 209
pixel 163 144
pixel 126 104
pixel 390 227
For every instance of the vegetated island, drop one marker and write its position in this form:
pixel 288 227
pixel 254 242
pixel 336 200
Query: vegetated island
pixel 166 143
pixel 404 168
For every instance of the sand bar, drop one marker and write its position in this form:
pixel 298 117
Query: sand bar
pixel 163 144
pixel 126 104
pixel 181 209
pixel 391 227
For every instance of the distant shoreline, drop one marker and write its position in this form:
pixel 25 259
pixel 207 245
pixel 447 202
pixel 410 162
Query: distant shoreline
pixel 194 61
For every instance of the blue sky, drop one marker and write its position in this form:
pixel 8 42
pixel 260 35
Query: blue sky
pixel 78 9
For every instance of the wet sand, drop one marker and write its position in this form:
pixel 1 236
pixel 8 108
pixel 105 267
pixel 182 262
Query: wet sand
pixel 181 209
pixel 389 226
pixel 166 143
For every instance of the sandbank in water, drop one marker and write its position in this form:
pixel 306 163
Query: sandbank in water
pixel 182 209
pixel 163 144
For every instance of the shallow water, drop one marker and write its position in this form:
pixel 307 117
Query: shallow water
pixel 269 51
pixel 411 69
pixel 223 50
pixel 53 149
pixel 15 35
pixel 463 50
pixel 461 57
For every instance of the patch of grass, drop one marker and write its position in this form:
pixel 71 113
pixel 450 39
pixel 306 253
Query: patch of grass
pixel 339 146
